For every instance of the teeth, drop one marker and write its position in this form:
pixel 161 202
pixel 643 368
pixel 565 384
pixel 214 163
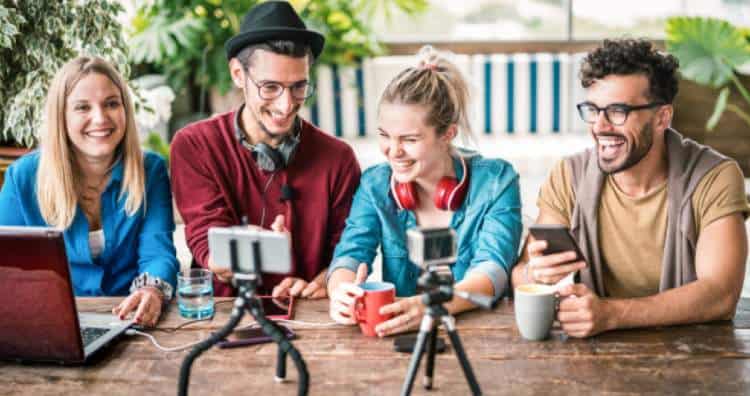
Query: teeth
pixel 610 141
pixel 278 117
pixel 99 133
pixel 403 164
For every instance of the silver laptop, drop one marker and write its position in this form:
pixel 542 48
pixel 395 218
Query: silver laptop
pixel 39 317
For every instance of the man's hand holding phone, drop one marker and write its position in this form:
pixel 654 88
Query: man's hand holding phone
pixel 553 254
pixel 550 269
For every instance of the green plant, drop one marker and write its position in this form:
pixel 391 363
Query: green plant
pixel 155 143
pixel 710 50
pixel 185 39
pixel 36 39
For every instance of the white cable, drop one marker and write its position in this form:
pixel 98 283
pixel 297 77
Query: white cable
pixel 161 348
pixel 300 323
pixel 249 326
pixel 310 324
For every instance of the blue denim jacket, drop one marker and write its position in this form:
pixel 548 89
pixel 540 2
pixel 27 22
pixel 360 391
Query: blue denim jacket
pixel 133 244
pixel 488 226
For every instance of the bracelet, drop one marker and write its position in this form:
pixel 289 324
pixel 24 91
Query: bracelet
pixel 146 280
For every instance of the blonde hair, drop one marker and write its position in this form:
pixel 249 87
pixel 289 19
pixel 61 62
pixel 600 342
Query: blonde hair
pixel 58 173
pixel 438 85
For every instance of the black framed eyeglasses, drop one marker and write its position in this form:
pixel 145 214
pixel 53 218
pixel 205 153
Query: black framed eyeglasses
pixel 270 90
pixel 616 113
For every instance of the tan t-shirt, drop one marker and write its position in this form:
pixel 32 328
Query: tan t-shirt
pixel 632 230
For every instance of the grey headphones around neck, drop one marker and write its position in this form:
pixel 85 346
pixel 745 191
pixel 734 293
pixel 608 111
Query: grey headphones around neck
pixel 268 158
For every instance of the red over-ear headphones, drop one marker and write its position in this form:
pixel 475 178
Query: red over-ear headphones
pixel 449 193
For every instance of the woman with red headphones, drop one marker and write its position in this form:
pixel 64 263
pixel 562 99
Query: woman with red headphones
pixel 426 182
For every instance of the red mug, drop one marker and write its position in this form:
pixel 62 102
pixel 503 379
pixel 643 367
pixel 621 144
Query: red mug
pixel 367 307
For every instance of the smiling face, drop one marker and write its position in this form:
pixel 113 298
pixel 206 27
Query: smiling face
pixel 95 118
pixel 275 117
pixel 620 147
pixel 413 149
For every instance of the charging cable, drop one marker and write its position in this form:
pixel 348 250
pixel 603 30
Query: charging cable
pixel 131 332
pixel 298 323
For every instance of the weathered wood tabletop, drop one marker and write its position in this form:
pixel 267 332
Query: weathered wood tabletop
pixel 703 359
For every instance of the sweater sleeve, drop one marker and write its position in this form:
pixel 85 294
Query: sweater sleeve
pixel 197 194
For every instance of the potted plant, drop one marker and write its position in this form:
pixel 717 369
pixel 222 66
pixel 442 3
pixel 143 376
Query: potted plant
pixel 185 39
pixel 36 39
pixel 713 105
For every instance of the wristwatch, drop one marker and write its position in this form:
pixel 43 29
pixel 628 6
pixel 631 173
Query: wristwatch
pixel 146 280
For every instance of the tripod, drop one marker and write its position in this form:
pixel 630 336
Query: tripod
pixel 439 290
pixel 248 301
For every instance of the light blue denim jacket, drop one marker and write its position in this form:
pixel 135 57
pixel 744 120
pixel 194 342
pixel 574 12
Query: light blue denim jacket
pixel 488 226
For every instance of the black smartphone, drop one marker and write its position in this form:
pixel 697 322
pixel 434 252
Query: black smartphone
pixel 406 344
pixel 558 239
pixel 251 336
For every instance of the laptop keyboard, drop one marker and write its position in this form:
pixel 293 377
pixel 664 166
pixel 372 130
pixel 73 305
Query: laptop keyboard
pixel 91 334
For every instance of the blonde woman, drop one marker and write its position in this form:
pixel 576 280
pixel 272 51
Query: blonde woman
pixel 90 178
pixel 427 182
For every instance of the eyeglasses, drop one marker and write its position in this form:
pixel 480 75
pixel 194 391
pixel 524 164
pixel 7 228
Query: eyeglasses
pixel 616 113
pixel 270 90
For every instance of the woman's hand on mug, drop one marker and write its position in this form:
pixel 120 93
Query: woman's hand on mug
pixel 549 269
pixel 343 300
pixel 407 314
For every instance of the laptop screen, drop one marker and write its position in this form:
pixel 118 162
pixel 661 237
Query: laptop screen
pixel 38 319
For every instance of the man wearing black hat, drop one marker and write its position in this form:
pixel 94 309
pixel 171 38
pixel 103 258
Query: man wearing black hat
pixel 264 163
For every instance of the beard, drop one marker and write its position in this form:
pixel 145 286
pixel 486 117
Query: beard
pixel 633 156
pixel 257 113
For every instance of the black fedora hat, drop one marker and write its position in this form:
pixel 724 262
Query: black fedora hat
pixel 273 20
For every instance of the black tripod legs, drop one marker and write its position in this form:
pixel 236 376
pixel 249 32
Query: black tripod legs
pixel 430 365
pixel 280 366
pixel 428 332
pixel 450 326
pixel 425 328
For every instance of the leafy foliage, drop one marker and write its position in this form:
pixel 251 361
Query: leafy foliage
pixel 185 39
pixel 710 51
pixel 36 39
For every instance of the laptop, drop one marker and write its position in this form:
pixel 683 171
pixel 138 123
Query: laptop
pixel 38 316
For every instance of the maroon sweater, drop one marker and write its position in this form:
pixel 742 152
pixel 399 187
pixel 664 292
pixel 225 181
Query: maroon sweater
pixel 216 181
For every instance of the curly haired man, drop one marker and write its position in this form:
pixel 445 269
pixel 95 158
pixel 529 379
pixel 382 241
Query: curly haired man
pixel 658 217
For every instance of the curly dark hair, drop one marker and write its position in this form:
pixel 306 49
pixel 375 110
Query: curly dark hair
pixel 633 56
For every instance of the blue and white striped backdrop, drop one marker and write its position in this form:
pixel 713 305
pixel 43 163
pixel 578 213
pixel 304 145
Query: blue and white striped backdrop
pixel 511 94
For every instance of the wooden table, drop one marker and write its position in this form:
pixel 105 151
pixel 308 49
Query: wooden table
pixel 704 359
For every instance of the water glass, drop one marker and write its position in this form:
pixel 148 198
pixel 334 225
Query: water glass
pixel 195 293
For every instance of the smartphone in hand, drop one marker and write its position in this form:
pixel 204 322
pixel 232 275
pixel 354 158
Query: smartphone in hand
pixel 558 239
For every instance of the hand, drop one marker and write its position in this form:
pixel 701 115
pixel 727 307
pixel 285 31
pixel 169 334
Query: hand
pixel 147 303
pixel 223 274
pixel 344 298
pixel 279 225
pixel 582 313
pixel 407 313
pixel 551 268
pixel 298 287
